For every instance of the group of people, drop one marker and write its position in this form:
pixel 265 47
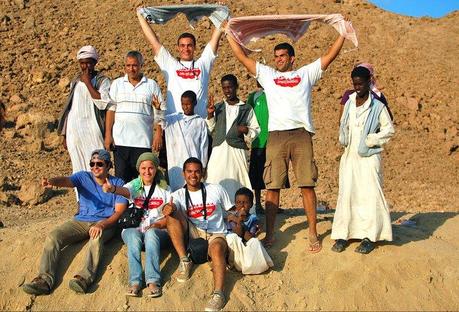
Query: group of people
pixel 203 196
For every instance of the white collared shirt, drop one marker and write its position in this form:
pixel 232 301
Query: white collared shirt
pixel 134 114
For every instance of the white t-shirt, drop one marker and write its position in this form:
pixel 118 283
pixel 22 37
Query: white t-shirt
pixel 289 95
pixel 158 199
pixel 182 76
pixel 135 116
pixel 217 203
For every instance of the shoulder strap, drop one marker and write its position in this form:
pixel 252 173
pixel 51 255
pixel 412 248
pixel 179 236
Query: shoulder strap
pixel 147 199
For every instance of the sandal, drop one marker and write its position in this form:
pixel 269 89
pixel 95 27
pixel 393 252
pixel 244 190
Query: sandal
pixel 365 247
pixel 133 291
pixel 316 246
pixel 155 292
pixel 340 245
pixel 78 284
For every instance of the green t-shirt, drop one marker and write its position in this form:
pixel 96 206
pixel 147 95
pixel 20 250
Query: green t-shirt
pixel 258 102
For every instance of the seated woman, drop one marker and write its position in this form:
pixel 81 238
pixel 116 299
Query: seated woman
pixel 149 192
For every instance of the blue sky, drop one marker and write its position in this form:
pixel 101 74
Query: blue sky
pixel 418 8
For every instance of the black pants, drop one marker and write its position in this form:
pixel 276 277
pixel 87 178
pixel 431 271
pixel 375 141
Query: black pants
pixel 125 161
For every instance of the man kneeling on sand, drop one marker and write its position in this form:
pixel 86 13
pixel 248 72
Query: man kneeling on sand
pixel 98 213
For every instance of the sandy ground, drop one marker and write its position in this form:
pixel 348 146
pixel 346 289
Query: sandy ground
pixel 416 63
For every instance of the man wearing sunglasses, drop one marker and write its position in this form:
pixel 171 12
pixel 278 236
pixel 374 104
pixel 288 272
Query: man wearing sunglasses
pixel 98 213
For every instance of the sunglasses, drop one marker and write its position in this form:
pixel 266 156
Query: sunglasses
pixel 98 164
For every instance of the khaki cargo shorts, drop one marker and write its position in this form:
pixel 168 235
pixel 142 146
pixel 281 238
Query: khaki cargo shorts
pixel 289 145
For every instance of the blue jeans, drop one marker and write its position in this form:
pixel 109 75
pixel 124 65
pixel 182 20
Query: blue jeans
pixel 134 239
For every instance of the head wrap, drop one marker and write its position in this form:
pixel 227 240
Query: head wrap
pixel 372 77
pixel 88 52
pixel 159 178
pixel 102 155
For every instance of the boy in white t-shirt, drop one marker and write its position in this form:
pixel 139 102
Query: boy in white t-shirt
pixel 290 126
pixel 190 220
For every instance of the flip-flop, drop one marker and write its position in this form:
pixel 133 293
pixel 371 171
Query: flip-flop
pixel 155 293
pixel 133 291
pixel 315 247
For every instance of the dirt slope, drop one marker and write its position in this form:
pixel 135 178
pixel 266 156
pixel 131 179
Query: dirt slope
pixel 416 63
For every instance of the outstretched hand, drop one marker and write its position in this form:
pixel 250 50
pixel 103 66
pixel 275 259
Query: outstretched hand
pixel 45 183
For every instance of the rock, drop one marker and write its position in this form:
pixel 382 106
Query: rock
pixel 32 193
pixel 32 119
pixel 64 82
pixel 20 3
pixel 413 104
pixel 53 141
pixel 16 98
pixel 1 224
pixel 38 76
pixel 29 24
pixel 20 107
pixel 206 24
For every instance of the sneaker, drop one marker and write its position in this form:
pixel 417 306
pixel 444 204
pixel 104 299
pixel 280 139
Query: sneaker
pixel 78 284
pixel 216 302
pixel 38 286
pixel 184 271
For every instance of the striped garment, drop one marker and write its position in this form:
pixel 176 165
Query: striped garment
pixel 251 28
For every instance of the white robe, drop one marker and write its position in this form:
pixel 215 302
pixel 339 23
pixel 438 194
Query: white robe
pixel 186 136
pixel 83 134
pixel 228 166
pixel 361 210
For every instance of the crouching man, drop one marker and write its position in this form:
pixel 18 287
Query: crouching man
pixel 190 219
pixel 97 215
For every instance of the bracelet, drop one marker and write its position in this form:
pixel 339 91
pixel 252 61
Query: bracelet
pixel 114 190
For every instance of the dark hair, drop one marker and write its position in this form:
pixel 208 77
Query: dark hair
pixel 190 95
pixel 231 78
pixel 285 46
pixel 187 35
pixel 192 160
pixel 361 72
pixel 245 191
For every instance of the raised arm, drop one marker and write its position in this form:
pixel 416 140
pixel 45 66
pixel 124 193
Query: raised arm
pixel 332 53
pixel 57 181
pixel 149 34
pixel 241 56
pixel 215 39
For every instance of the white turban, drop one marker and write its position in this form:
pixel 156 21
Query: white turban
pixel 87 52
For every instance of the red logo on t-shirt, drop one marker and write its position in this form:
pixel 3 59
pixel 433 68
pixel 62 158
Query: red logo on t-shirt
pixel 287 82
pixel 188 73
pixel 154 202
pixel 198 211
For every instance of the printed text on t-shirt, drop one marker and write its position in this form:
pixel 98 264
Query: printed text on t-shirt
pixel 287 82
pixel 197 211
pixel 188 73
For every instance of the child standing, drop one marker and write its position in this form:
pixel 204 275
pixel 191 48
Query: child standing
pixel 231 122
pixel 362 212
pixel 186 136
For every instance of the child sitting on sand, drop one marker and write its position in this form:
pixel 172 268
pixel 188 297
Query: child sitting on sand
pixel 240 220
pixel 246 253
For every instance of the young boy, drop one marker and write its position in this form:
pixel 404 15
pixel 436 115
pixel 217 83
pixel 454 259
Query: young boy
pixel 186 136
pixel 362 212
pixel 240 221
pixel 246 252
pixel 231 122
